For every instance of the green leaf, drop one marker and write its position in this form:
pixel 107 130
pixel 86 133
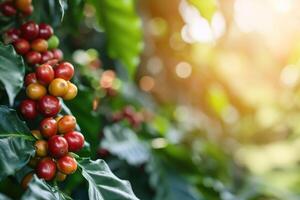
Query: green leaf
pixel 123 28
pixel 103 184
pixel 4 197
pixel 50 11
pixel 15 145
pixel 38 189
pixel 12 71
pixel 207 8
pixel 125 144
pixel 169 184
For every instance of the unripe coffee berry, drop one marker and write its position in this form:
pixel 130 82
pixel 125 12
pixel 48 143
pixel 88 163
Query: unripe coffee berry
pixel 58 87
pixel 35 91
pixel 39 45
pixel 71 93
pixel 41 148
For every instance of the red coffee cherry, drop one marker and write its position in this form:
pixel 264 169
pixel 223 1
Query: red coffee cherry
pixel 33 57
pixel 21 46
pixel 41 148
pixel 8 9
pixel 28 109
pixel 46 56
pixel 48 127
pixel 67 164
pixel 49 106
pixel 11 35
pixel 46 169
pixel 46 31
pixel 44 74
pixel 39 45
pixel 58 146
pixel 57 54
pixel 30 78
pixel 64 70
pixel 29 30
pixel 26 180
pixel 28 11
pixel 75 140
pixel 66 124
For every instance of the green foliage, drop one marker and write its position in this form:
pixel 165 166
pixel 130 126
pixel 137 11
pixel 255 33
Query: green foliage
pixel 15 145
pixel 103 184
pixel 50 11
pixel 207 8
pixel 124 143
pixel 168 183
pixel 123 30
pixel 39 189
pixel 11 68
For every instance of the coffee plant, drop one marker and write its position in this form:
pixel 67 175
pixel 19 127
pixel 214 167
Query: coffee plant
pixel 75 125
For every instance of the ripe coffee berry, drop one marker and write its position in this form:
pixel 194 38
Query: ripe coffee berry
pixel 48 127
pixel 46 56
pixel 67 164
pixel 28 109
pixel 41 148
pixel 21 46
pixel 58 87
pixel 27 11
pixel 33 57
pixel 25 181
pixel 8 9
pixel 72 91
pixel 35 91
pixel 39 45
pixel 64 70
pixel 46 169
pixel 57 54
pixel 66 124
pixel 44 74
pixel 49 106
pixel 30 78
pixel 29 30
pixel 46 31
pixel 75 140
pixel 23 4
pixel 58 146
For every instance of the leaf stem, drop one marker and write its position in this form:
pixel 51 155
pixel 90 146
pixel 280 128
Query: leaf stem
pixel 14 135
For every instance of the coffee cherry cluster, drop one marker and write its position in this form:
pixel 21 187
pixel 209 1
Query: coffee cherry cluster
pixel 56 137
pixel 36 43
pixel 44 86
pixel 128 113
pixel 11 8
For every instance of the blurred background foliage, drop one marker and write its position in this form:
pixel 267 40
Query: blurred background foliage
pixel 214 95
pixel 218 87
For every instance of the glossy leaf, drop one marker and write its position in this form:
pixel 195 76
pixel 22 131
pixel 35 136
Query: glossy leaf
pixel 123 30
pixel 4 197
pixel 16 146
pixel 11 68
pixel 103 184
pixel 39 189
pixel 169 184
pixel 207 8
pixel 50 11
pixel 124 143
